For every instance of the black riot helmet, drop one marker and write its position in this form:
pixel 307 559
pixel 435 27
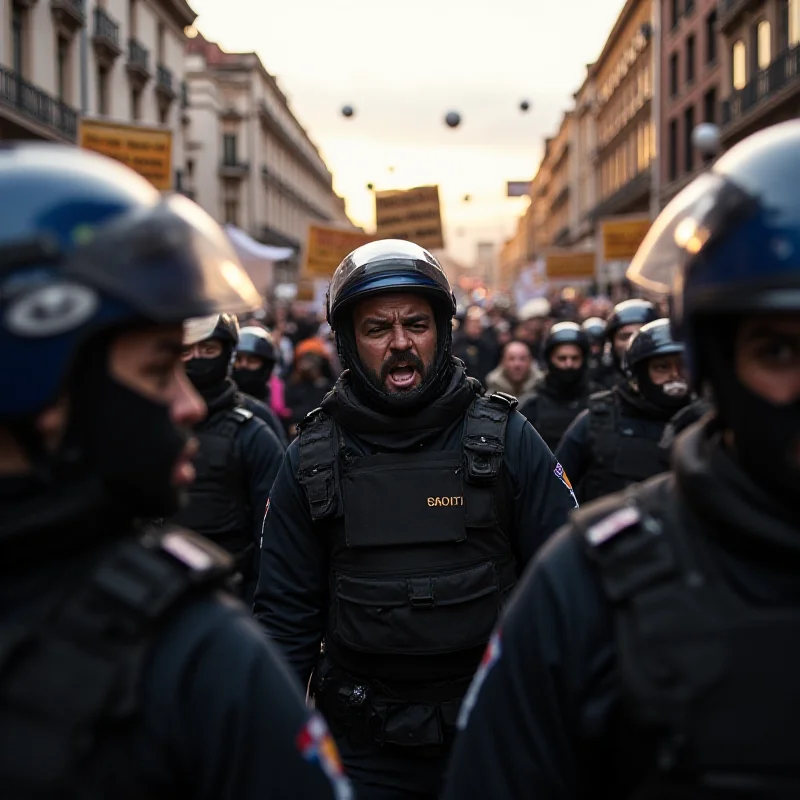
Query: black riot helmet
pixel 630 312
pixel 566 333
pixel 224 327
pixel 595 329
pixel 650 341
pixel 392 266
pixel 257 342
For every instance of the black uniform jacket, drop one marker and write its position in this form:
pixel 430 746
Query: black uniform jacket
pixel 545 719
pixel 220 714
pixel 292 596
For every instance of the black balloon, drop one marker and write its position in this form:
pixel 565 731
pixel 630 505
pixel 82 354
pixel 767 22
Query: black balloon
pixel 348 111
pixel 453 119
pixel 370 186
pixel 524 105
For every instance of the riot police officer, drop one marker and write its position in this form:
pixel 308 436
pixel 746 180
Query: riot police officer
pixel 626 318
pixel 615 442
pixel 564 390
pixel 668 665
pixel 120 661
pixel 254 361
pixel 595 329
pixel 238 458
pixel 398 524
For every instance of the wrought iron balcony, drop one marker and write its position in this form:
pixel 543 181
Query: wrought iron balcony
pixel 780 78
pixel 233 168
pixel 31 102
pixel 138 65
pixel 164 83
pixel 106 37
pixel 68 15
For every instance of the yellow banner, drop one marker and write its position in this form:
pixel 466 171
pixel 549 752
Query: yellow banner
pixel 326 248
pixel 147 151
pixel 413 214
pixel 622 237
pixel 570 265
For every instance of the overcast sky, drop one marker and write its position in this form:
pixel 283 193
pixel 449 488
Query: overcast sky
pixel 403 66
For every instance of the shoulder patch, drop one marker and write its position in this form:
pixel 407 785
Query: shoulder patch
pixel 316 745
pixel 490 657
pixel 242 414
pixel 560 473
pixel 610 526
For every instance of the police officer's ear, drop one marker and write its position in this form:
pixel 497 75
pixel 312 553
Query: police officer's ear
pixel 51 424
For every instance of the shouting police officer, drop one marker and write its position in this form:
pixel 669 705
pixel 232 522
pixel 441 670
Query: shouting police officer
pixel 615 442
pixel 120 664
pixel 626 318
pixel 254 361
pixel 239 456
pixel 399 523
pixel 668 665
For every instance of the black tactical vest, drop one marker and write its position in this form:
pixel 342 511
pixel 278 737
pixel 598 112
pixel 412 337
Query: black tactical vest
pixel 709 678
pixel 624 450
pixel 553 417
pixel 70 670
pixel 420 564
pixel 219 505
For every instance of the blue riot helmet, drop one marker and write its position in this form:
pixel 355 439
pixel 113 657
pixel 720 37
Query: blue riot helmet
pixel 566 333
pixel 729 243
pixel 257 342
pixel 88 245
pixel 386 267
pixel 728 247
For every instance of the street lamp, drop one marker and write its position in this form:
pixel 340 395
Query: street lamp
pixel 706 140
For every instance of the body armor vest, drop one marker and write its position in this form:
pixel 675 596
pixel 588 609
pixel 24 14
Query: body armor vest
pixel 553 416
pixel 624 450
pixel 70 670
pixel 219 505
pixel 419 562
pixel 709 678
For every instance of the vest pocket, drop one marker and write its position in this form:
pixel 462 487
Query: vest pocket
pixel 420 614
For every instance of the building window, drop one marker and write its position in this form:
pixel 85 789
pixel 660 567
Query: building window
pixel 738 65
pixel 102 92
pixel 160 40
pixel 672 151
pixel 136 104
pixel 688 128
pixel 794 22
pixel 689 7
pixel 163 114
pixel 232 212
pixel 190 168
pixel 673 74
pixel 711 37
pixel 690 50
pixel 782 16
pixel 132 17
pixel 710 106
pixel 18 39
pixel 229 149
pixel 763 42
pixel 676 13
pixel 62 68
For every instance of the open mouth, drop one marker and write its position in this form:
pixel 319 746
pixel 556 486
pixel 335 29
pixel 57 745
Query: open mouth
pixel 402 376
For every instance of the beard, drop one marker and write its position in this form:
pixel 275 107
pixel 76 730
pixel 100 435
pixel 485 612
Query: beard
pixel 378 379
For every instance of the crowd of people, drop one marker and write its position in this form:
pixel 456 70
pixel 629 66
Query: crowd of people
pixel 477 554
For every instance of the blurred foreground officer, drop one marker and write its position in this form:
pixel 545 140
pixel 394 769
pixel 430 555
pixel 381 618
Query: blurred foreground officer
pixel 564 390
pixel 255 359
pixel 616 441
pixel 626 318
pixel 124 673
pixel 399 523
pixel 654 648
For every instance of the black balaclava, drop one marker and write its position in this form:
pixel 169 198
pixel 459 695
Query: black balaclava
pixel 766 435
pixel 129 441
pixel 368 387
pixel 669 397
pixel 567 381
pixel 208 374
pixel 254 381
